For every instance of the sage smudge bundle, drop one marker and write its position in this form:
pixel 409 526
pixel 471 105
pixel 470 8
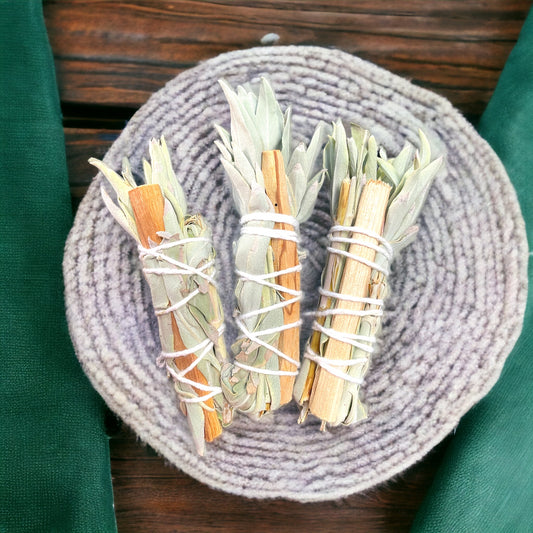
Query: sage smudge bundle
pixel 375 202
pixel 178 259
pixel 274 189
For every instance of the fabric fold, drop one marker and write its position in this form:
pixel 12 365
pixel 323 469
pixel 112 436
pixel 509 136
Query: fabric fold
pixel 485 482
pixel 54 453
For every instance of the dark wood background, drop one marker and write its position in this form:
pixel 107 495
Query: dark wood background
pixel 110 56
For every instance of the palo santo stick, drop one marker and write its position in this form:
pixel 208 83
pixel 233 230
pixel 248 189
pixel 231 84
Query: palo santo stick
pixel 327 390
pixel 148 206
pixel 285 256
pixel 325 301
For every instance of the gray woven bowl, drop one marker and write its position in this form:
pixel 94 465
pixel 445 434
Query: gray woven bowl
pixel 458 293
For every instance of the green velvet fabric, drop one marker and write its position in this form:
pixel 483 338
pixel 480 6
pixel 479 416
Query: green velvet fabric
pixel 54 453
pixel 485 483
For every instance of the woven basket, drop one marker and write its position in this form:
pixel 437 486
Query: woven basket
pixel 458 293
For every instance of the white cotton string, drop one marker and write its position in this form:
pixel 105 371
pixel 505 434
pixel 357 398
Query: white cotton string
pixel 284 234
pixel 348 298
pixel 163 356
pixel 330 365
pixel 271 217
pixel 204 347
pixel 156 253
pixel 362 260
pixel 262 279
pixel 178 305
pixel 386 250
pixel 254 337
pixel 287 235
pixel 383 247
pixel 349 338
pixel 265 371
pixel 362 342
pixel 279 305
pixel 274 330
pixel 348 312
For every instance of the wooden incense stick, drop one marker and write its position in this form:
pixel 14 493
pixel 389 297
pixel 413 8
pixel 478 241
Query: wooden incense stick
pixel 326 302
pixel 327 389
pixel 285 256
pixel 148 207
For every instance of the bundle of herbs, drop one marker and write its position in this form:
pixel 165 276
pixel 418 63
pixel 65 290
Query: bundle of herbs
pixel 178 262
pixel 375 202
pixel 274 188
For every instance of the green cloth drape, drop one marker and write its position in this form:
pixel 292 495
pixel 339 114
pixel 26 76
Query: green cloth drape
pixel 54 453
pixel 485 483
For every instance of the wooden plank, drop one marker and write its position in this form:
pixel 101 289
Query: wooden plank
pixel 148 491
pixel 118 53
pixel 80 145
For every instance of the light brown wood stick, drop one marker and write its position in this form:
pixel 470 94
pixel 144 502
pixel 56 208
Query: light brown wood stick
pixel 148 207
pixel 325 302
pixel 285 256
pixel 327 389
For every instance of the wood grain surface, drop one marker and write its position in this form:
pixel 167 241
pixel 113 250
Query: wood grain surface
pixel 110 56
pixel 151 496
pixel 118 53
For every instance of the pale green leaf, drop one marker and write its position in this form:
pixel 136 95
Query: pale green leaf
pixel 119 215
pixel 286 138
pixel 225 136
pixel 297 158
pixel 315 147
pixel 243 165
pixel 309 201
pixel 224 152
pixel 403 160
pixel 126 172
pixel 298 183
pixel 389 172
pixel 370 168
pixel 352 156
pixel 147 172
pixel 339 169
pixel 120 186
pixel 425 149
pixel 247 99
pixel 269 116
pixel 243 130
pixel 240 188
